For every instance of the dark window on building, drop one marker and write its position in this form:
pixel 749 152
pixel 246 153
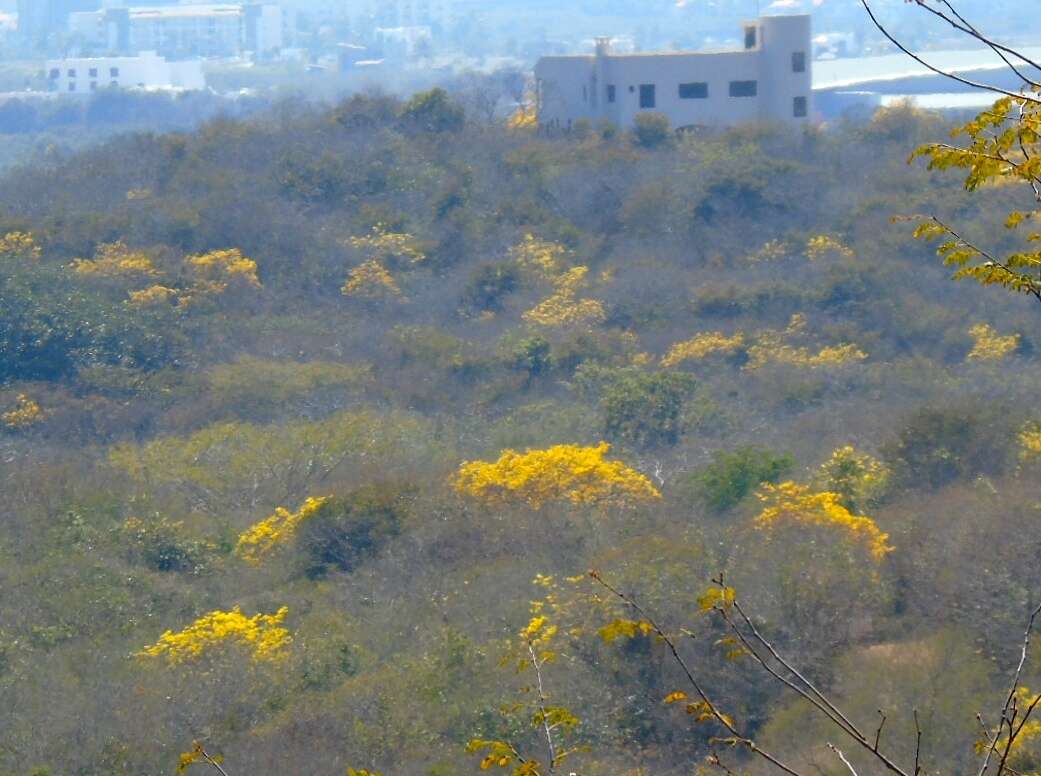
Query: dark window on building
pixel 93 72
pixel 72 73
pixel 113 83
pixel 93 86
pixel 744 88
pixel 798 61
pixel 697 90
pixel 799 107
pixel 55 72
pixel 114 72
pixel 750 36
pixel 72 86
pixel 610 93
pixel 632 89
pixel 647 96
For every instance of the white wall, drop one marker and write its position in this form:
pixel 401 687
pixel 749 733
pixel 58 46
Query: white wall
pixel 88 75
pixel 576 87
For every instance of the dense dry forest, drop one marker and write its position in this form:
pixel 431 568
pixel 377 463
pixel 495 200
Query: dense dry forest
pixel 313 423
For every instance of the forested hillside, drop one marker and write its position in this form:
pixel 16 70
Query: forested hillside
pixel 312 424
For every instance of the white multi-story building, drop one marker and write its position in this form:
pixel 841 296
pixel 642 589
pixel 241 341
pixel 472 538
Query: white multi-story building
pixel 769 79
pixel 223 29
pixel 147 71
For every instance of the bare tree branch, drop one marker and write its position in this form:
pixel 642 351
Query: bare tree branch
pixel 842 757
pixel 721 718
pixel 1010 699
pixel 939 71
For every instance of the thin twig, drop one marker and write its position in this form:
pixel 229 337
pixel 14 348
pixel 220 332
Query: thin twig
pixel 917 745
pixel 1011 697
pixel 721 718
pixel 937 70
pixel 542 708
pixel 882 724
pixel 824 704
pixel 842 757
pixel 969 29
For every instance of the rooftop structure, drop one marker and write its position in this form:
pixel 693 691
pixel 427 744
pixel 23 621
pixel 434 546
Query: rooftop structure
pixel 769 79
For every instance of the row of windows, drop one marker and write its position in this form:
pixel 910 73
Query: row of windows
pixel 93 85
pixel 699 91
pixel 696 90
pixel 113 72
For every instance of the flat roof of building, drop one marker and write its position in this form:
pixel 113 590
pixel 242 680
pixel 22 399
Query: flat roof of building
pixel 184 11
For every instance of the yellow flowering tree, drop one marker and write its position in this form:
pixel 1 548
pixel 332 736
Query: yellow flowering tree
pixel 563 307
pixel 860 479
pixel 534 649
pixel 153 295
pixel 217 269
pixel 796 504
pixel 774 347
pixel 702 346
pixel 116 260
pixel 263 538
pixel 370 280
pixel 25 413
pixel 988 345
pixel 1030 443
pixel 262 635
pixel 18 245
pixel 824 245
pixel 562 473
pixel 545 258
pixel 388 247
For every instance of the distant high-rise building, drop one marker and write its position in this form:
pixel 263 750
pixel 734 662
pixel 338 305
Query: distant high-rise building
pixel 203 29
pixel 39 18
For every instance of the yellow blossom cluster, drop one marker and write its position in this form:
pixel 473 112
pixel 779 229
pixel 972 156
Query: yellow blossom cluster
pixel 1030 442
pixel 262 538
pixel 563 307
pixel 223 266
pixel 114 260
pixel 153 295
pixel 771 347
pixel 701 346
pixel 19 245
pixel 25 413
pixel 544 257
pixel 858 477
pixel 838 355
pixel 385 246
pixel 790 502
pixel 772 250
pixel 262 634
pixel 1027 734
pixel 370 280
pixel 568 473
pixel 525 117
pixel 823 245
pixel 989 345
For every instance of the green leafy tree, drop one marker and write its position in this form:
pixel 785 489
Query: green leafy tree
pixel 433 111
pixel 723 484
pixel 652 130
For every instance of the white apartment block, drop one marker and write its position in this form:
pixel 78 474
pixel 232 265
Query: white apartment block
pixel 769 79
pixel 147 71
pixel 209 30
